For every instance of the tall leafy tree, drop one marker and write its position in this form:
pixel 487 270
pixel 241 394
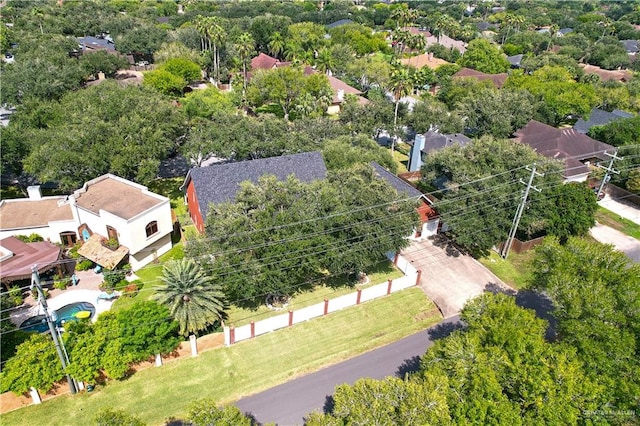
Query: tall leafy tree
pixel 596 294
pixel 479 189
pixel 481 55
pixel 286 235
pixel 193 298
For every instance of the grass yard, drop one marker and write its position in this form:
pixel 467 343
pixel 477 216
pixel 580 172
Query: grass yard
pixel 612 220
pixel 150 277
pixel 226 374
pixel 402 160
pixel 337 287
pixel 515 270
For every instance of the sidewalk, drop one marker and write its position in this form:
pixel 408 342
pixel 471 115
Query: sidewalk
pixel 626 210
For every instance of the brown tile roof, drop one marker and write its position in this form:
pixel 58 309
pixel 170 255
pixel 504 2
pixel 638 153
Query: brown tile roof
pixel 28 213
pixel 424 60
pixel 337 85
pixel 25 255
pixel 606 75
pixel 562 144
pixel 497 79
pixel 115 196
pixel 263 61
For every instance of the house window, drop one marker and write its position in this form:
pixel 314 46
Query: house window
pixel 68 238
pixel 151 228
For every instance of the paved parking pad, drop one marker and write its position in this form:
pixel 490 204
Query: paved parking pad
pixel 450 278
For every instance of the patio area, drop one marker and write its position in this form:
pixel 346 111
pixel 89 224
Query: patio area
pixel 86 290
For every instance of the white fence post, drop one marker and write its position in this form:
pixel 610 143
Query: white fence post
pixel 194 345
pixel 35 396
pixel 158 360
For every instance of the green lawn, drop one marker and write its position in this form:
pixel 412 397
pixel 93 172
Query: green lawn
pixel 612 220
pixel 226 374
pixel 402 160
pixel 515 270
pixel 150 277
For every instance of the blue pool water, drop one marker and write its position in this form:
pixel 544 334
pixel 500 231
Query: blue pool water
pixel 62 315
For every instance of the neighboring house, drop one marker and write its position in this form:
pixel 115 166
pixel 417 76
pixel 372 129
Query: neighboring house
pixel 429 219
pixel 339 87
pixel 515 60
pixel 340 90
pixel 497 79
pixel 563 32
pixel 424 60
pixel 431 141
pixel 339 23
pixel 219 183
pixel 17 258
pixel 622 76
pixel 447 42
pixel 631 46
pixel 579 152
pixel 94 44
pixel 599 117
pixel 266 62
pixel 108 207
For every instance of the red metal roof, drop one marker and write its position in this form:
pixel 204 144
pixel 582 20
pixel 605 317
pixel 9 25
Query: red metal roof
pixel 25 255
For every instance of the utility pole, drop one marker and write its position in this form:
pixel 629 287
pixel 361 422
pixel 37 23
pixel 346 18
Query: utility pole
pixel 516 220
pixel 35 282
pixel 608 170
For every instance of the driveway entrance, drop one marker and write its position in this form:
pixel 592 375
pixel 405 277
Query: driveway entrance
pixel 450 278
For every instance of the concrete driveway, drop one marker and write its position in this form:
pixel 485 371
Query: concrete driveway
pixel 450 278
pixel 626 210
pixel 623 242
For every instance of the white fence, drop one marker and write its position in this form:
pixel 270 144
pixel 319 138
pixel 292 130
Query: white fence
pixel 411 278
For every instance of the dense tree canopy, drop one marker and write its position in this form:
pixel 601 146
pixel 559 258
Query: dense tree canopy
pixel 499 370
pixel 123 130
pixel 560 95
pixel 479 189
pixel 481 55
pixel 289 234
pixel 596 294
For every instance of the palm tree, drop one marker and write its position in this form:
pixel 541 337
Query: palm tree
pixel 402 85
pixel 216 35
pixel 194 300
pixel 325 61
pixel 276 44
pixel 245 47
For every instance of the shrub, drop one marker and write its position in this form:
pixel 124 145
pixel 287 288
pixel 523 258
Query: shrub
pixel 73 251
pixel 107 287
pixel 85 265
pixel 32 238
pixel 109 417
pixel 45 293
pixel 60 284
pixel 15 295
pixel 114 277
pixel 130 290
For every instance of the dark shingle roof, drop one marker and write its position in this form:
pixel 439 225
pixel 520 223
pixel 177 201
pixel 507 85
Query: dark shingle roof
pixel 562 144
pixel 631 46
pixel 393 180
pixel 599 117
pixel 340 22
pixel 515 60
pixel 219 183
pixel 436 141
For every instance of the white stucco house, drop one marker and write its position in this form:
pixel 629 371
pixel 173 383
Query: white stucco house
pixel 137 221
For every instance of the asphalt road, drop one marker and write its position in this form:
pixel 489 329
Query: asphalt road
pixel 289 403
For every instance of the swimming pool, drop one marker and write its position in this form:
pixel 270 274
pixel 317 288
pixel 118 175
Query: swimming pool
pixel 60 316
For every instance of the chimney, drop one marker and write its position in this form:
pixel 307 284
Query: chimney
pixel 340 95
pixel 430 57
pixel 34 192
pixel 415 156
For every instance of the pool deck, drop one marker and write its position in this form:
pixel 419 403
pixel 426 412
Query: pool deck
pixel 87 290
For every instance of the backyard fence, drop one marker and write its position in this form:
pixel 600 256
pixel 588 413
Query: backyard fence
pixel 411 278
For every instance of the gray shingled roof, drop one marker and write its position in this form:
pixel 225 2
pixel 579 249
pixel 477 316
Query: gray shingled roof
pixel 339 23
pixel 631 46
pixel 219 183
pixel 599 117
pixel 393 180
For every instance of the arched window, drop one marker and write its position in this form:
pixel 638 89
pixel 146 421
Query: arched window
pixel 151 228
